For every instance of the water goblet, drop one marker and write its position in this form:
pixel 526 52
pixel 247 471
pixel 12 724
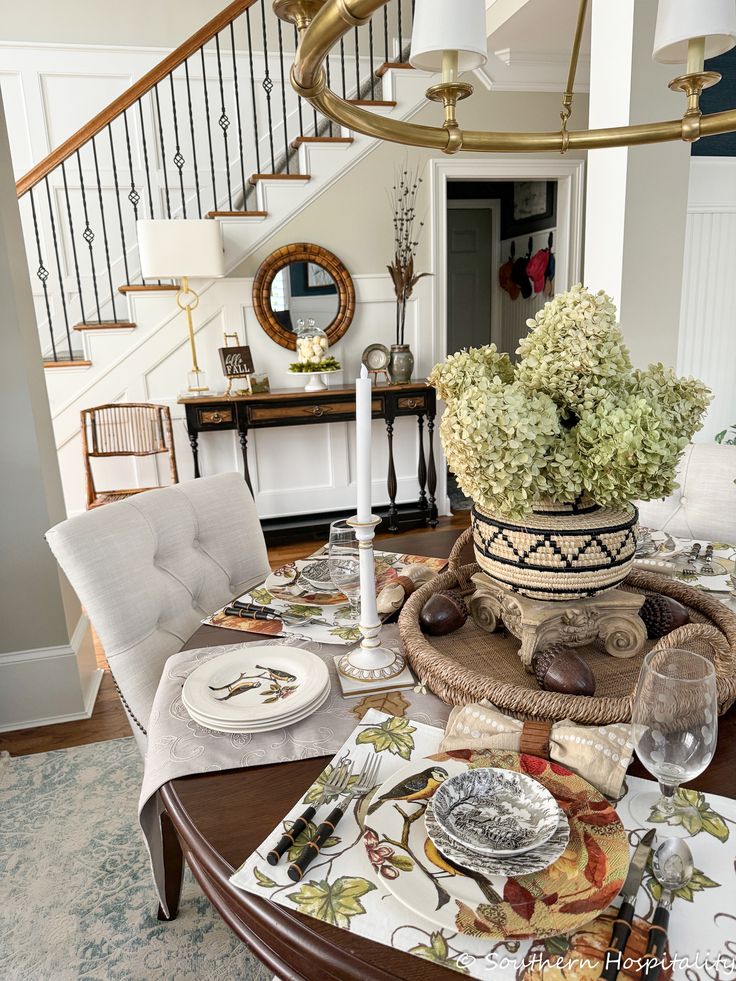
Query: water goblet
pixel 674 728
pixel 343 560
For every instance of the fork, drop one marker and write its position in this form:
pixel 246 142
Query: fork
pixel 336 784
pixel 367 779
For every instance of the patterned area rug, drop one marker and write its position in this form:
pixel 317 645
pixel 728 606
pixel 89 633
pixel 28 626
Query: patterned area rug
pixel 77 896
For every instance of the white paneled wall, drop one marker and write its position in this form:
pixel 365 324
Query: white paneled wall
pixel 707 340
pixel 295 470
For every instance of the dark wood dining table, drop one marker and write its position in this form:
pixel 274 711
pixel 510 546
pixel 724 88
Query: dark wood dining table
pixel 218 819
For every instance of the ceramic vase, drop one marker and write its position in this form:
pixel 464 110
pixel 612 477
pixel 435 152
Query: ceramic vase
pixel 401 363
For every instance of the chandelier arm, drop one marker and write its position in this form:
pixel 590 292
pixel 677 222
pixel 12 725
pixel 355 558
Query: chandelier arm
pixel 574 56
pixel 336 18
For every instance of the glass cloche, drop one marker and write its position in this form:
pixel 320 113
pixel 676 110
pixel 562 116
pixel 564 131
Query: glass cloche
pixel 311 343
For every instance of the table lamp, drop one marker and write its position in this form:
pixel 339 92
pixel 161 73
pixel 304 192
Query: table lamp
pixel 178 249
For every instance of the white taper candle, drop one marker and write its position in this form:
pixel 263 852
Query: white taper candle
pixel 363 391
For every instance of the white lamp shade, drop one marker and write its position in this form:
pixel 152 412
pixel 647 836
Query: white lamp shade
pixel 678 21
pixel 449 25
pixel 172 248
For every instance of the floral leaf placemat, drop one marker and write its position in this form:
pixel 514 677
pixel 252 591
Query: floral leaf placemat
pixel 328 616
pixel 344 886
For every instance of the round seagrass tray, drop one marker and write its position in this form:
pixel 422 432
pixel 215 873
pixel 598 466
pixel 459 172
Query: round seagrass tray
pixel 472 664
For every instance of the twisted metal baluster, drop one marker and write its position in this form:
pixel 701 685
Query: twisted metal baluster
pixel 357 64
pixel 400 55
pixel 145 159
pixel 267 87
pixel 237 108
pixel 104 229
pixel 89 236
pixel 370 52
pixel 342 66
pixel 58 266
pixel 74 244
pixel 223 122
pixel 178 157
pixel 194 142
pixel 163 150
pixel 299 98
pixel 43 274
pixel 117 202
pixel 283 98
pixel 385 33
pixel 209 128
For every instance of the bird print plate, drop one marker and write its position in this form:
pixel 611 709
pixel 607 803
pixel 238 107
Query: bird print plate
pixel 496 812
pixel 255 684
pixel 253 728
pixel 556 900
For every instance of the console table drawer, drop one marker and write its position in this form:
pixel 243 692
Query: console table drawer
pixel 272 413
pixel 412 403
pixel 216 417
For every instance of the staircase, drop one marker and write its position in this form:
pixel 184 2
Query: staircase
pixel 213 131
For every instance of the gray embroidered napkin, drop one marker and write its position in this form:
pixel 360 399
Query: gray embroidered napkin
pixel 600 754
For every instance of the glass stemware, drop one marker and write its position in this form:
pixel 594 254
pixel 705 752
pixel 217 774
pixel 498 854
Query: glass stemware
pixel 344 564
pixel 675 728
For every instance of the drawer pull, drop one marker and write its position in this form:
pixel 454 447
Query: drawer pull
pixel 411 403
pixel 318 411
pixel 213 417
pixel 216 417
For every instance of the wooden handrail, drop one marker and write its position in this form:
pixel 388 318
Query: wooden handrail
pixel 131 95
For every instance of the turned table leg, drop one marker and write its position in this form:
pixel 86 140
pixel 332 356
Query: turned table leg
pixel 194 443
pixel 422 469
pixel 173 868
pixel 431 474
pixel 393 512
pixel 244 448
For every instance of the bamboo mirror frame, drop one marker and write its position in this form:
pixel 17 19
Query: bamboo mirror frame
pixel 308 253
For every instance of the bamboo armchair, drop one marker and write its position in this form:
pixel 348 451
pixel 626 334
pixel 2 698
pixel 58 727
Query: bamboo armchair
pixel 134 429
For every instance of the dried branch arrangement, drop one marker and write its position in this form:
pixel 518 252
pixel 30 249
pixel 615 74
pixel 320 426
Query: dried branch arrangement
pixel 407 230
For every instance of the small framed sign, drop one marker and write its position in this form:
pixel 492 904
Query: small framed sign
pixel 236 362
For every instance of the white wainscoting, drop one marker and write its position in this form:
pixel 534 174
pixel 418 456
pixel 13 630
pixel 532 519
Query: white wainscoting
pixel 707 341
pixel 295 470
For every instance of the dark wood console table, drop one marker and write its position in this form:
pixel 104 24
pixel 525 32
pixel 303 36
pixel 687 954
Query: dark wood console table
pixel 295 407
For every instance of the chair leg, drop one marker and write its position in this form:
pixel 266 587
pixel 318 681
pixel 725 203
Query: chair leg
pixel 173 868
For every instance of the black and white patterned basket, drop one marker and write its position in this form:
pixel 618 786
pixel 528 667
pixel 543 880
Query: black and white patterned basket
pixel 561 552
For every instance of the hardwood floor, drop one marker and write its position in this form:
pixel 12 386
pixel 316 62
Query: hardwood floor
pixel 108 720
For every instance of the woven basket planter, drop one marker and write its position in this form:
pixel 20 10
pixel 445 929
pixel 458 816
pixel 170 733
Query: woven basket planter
pixel 561 552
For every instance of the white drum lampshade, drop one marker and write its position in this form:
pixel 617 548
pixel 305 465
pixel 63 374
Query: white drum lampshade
pixel 174 248
pixel 449 25
pixel 680 21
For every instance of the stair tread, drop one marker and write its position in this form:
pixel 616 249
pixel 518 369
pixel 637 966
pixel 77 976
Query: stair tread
pixel 372 102
pixel 106 325
pixel 147 287
pixel 388 66
pixel 67 363
pixel 239 214
pixel 320 139
pixel 254 178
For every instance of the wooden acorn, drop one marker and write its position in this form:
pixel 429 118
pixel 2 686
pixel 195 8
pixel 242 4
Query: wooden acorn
pixel 442 613
pixel 560 670
pixel 662 614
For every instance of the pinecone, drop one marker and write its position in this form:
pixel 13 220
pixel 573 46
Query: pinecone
pixel 662 614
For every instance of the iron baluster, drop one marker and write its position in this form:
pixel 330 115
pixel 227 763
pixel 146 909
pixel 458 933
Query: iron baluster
pixel 117 202
pixel 385 33
pixel 357 64
pixel 58 265
pixel 329 86
pixel 74 244
pixel 209 128
pixel 267 87
pixel 237 108
pixel 163 150
pixel 133 195
pixel 145 159
pixel 89 236
pixel 43 274
pixel 194 143
pixel 299 98
pixel 253 91
pixel 104 229
pixel 342 67
pixel 178 157
pixel 400 56
pixel 224 123
pixel 370 55
pixel 283 98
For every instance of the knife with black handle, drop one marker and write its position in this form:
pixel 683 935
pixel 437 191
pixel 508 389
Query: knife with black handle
pixel 622 923
pixel 657 940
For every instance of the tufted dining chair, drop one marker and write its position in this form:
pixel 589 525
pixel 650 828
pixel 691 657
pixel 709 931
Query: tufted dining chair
pixel 149 568
pixel 704 505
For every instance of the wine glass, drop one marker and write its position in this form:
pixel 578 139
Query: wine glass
pixel 674 728
pixel 344 564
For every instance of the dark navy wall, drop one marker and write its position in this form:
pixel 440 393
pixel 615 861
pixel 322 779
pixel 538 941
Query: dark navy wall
pixel 720 97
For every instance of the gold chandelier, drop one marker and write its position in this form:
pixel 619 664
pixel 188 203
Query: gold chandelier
pixel 446 38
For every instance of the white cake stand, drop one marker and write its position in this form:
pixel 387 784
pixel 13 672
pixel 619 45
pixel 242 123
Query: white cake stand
pixel 315 379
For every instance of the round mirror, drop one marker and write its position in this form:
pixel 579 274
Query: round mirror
pixel 305 283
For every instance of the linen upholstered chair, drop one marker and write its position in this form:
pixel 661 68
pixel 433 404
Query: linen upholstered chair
pixel 124 429
pixel 149 568
pixel 704 505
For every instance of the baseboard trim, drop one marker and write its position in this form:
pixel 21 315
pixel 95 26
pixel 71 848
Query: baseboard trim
pixel 89 706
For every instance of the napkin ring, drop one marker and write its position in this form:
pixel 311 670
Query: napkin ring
pixel 535 738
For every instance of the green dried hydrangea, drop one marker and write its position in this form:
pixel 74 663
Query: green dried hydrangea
pixel 476 366
pixel 574 349
pixel 572 417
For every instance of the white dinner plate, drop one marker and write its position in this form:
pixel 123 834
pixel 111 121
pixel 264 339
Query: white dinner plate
pixel 266 727
pixel 285 716
pixel 275 681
